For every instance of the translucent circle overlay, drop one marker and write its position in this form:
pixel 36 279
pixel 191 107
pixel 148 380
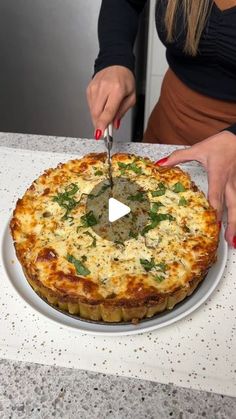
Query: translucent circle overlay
pixel 128 193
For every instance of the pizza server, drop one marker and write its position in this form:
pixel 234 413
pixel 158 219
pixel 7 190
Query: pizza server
pixel 108 138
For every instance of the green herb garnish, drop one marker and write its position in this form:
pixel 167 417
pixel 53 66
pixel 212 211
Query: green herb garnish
pixel 160 191
pixel 79 266
pixel 136 169
pixel 183 202
pixel 148 228
pixel 98 173
pixel 71 189
pixel 161 217
pixel 156 219
pixel 129 166
pixel 133 234
pixel 156 206
pixel 94 242
pixel 159 278
pixel 178 187
pixel 66 200
pixel 149 265
pixel 162 266
pixel 136 198
pixel 88 220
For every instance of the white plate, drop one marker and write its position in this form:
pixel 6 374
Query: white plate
pixel 18 281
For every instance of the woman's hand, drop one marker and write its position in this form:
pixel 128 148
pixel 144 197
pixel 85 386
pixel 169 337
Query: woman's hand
pixel 218 155
pixel 110 94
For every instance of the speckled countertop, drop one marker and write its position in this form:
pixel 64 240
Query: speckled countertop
pixel 30 390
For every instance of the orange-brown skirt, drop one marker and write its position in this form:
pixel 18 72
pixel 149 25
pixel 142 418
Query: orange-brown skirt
pixel 183 116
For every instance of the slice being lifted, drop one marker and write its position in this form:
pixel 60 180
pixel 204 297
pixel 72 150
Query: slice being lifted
pixel 73 267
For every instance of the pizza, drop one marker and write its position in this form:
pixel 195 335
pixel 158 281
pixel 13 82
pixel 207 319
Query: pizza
pixel 69 259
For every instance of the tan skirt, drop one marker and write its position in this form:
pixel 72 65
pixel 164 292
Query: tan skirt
pixel 183 116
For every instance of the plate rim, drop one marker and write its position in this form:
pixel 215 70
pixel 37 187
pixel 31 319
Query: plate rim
pixel 144 327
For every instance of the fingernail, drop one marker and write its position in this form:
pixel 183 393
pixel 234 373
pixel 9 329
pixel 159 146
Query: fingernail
pixel 98 134
pixel 220 224
pixel 162 161
pixel 234 242
pixel 118 123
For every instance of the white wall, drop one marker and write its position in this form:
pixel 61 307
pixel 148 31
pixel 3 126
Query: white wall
pixel 156 65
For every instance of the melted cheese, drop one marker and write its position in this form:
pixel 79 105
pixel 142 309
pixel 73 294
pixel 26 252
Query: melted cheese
pixel 186 245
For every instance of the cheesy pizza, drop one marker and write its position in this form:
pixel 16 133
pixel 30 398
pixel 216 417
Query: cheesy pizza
pixel 63 242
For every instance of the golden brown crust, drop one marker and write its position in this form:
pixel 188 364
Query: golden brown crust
pixel 124 311
pixel 42 241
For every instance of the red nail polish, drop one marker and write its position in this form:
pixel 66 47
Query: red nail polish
pixel 234 242
pixel 98 134
pixel 118 123
pixel 220 224
pixel 162 161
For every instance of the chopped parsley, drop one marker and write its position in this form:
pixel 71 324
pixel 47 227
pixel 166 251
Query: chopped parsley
pixel 129 166
pixel 160 191
pixel 150 265
pixel 88 220
pixel 156 206
pixel 159 278
pixel 94 242
pixel 138 197
pixel 71 189
pixel 183 202
pixel 156 219
pixel 161 217
pixel 148 228
pixel 79 266
pixel 133 234
pixel 66 200
pixel 98 173
pixel 178 187
pixel 162 265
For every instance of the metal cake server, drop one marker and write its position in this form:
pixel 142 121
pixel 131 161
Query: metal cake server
pixel 108 139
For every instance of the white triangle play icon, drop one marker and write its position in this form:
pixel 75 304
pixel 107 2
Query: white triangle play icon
pixel 117 210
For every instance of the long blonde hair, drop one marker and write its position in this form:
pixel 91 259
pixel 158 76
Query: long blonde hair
pixel 195 15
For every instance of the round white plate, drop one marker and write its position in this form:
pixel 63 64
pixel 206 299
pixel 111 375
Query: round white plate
pixel 18 281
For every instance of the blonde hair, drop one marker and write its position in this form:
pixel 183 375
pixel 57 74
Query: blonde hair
pixel 195 15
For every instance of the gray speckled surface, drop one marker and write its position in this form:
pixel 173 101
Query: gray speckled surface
pixel 42 392
pixel 38 391
pixel 74 145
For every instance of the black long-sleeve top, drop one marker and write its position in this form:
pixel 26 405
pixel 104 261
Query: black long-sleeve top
pixel 211 72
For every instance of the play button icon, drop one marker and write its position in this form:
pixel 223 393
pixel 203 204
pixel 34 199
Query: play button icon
pixel 117 210
pixel 118 214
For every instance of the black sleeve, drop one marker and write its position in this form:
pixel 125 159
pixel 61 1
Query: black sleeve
pixel 232 129
pixel 117 29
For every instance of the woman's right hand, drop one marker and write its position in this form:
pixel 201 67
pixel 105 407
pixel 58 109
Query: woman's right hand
pixel 110 94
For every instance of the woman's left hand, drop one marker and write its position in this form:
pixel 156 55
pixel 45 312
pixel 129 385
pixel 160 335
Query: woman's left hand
pixel 218 155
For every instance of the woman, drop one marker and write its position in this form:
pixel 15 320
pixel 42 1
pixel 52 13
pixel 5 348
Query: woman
pixel 197 106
